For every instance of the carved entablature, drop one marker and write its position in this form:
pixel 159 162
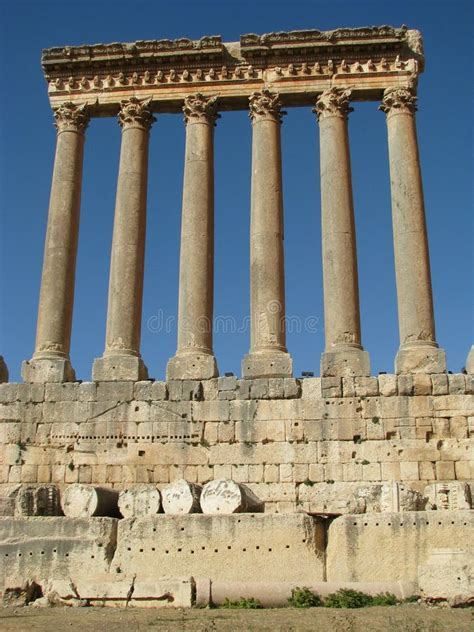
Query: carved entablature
pixel 200 109
pixel 298 65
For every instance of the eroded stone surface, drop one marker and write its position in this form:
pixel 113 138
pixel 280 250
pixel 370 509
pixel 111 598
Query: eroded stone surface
pixel 181 497
pixel 223 496
pixel 85 501
pixel 139 500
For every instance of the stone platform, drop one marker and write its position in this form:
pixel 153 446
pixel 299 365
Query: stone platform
pixel 330 445
pixel 169 561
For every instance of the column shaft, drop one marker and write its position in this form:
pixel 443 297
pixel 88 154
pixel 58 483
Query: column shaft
pixel 268 355
pixel 418 351
pixel 51 362
pixel 194 357
pixel 344 355
pixel 122 360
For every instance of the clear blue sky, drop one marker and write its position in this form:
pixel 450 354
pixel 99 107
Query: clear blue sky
pixel 27 141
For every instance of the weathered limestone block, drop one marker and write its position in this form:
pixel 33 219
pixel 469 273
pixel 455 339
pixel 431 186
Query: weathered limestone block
pixel 311 388
pixel 84 501
pixel 150 391
pixel 223 496
pixel 45 548
pixel 181 497
pixel 457 384
pixel 398 497
pixel 331 387
pixel 387 385
pixel 448 575
pixel 238 547
pixel 38 500
pixel 451 496
pixel 340 497
pixel 391 546
pixel 139 500
pixel 134 589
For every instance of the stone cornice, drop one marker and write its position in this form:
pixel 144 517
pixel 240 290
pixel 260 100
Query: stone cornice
pixel 298 65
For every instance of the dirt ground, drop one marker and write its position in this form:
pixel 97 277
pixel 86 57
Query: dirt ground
pixel 406 618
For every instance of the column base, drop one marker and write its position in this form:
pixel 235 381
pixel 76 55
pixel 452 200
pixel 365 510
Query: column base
pixel 420 359
pixel 47 370
pixel 345 362
pixel 470 361
pixel 3 370
pixel 119 368
pixel 267 364
pixel 192 366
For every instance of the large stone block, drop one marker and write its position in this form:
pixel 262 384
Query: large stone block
pixel 47 370
pixel 391 546
pixel 241 547
pixel 119 368
pixel 134 590
pixel 448 575
pixel 40 549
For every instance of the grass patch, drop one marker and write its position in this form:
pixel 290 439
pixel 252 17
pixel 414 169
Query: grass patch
pixel 243 604
pixel 348 598
pixel 304 598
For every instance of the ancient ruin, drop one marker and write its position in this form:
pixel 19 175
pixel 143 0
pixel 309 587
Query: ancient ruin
pixel 131 490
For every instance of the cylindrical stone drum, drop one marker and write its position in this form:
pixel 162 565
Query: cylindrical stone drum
pixel 139 500
pixel 181 497
pixel 85 501
pixel 224 496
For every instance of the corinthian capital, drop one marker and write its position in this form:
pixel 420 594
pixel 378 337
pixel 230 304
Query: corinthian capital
pixel 135 113
pixel 265 105
pixel 200 109
pixel 399 100
pixel 69 117
pixel 333 102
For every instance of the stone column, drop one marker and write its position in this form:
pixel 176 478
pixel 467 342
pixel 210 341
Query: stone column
pixel 50 362
pixel 268 356
pixel 121 359
pixel 344 354
pixel 470 361
pixel 418 350
pixel 194 357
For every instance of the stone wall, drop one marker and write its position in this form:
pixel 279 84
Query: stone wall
pixel 325 445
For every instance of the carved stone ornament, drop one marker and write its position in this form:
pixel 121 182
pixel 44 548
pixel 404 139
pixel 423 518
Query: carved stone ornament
pixel 135 113
pixel 265 105
pixel 399 100
pixel 54 347
pixel 69 117
pixel 333 102
pixel 200 109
